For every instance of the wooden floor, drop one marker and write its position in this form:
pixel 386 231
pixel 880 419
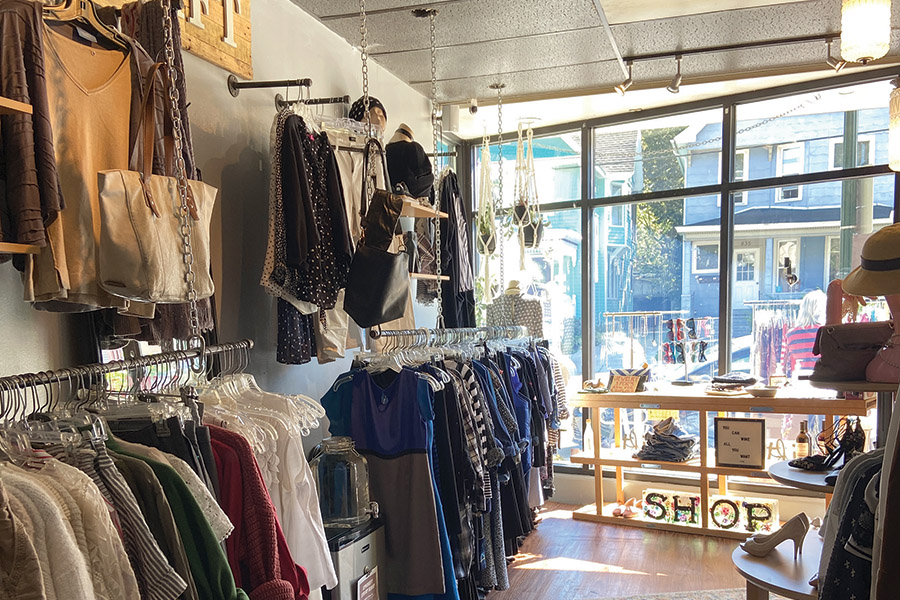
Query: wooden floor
pixel 576 560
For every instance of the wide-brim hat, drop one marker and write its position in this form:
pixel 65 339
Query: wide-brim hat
pixel 879 271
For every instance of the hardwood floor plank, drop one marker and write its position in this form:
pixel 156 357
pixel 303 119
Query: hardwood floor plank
pixel 566 559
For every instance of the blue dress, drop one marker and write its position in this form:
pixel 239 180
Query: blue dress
pixel 391 423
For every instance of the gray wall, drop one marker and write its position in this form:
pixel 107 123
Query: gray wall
pixel 231 139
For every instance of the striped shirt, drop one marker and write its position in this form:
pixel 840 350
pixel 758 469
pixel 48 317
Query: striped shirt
pixel 156 578
pixel 798 349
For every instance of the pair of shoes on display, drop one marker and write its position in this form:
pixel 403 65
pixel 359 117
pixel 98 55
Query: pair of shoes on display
pixel 631 509
pixel 763 544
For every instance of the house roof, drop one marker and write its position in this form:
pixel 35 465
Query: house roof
pixel 616 152
pixel 766 215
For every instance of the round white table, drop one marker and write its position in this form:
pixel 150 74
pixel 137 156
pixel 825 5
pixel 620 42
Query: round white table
pixel 813 481
pixel 778 572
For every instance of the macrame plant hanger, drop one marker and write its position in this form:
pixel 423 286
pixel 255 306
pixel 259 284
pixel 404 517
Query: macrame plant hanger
pixel 486 220
pixel 527 211
pixel 436 136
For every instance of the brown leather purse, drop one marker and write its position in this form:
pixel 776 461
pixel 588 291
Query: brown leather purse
pixel 846 350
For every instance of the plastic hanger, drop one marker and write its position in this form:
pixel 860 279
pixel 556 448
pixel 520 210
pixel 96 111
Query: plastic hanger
pixel 84 13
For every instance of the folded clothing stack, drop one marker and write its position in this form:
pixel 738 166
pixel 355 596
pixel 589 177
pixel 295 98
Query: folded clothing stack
pixel 667 442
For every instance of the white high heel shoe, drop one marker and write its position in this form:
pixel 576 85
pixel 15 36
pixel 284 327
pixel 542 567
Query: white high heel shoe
pixel 795 529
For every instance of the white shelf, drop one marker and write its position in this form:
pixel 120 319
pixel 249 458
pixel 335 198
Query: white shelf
pixel 778 572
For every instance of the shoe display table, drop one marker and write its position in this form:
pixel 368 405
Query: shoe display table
pixel 814 481
pixel 704 468
pixel 778 572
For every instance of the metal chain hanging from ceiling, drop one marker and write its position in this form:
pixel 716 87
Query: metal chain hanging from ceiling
pixel 499 87
pixel 369 176
pixel 436 138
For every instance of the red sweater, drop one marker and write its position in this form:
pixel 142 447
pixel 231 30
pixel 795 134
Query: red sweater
pixel 257 550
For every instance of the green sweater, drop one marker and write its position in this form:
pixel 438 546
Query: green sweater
pixel 209 566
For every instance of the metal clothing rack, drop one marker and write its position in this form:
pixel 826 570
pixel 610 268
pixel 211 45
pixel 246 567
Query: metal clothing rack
pixel 455 335
pixel 14 386
pixel 235 86
pixel 441 154
pixel 280 102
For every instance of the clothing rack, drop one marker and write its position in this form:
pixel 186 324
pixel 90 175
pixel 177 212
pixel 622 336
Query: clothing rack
pixel 455 335
pixel 280 102
pixel 84 375
pixel 235 86
pixel 441 154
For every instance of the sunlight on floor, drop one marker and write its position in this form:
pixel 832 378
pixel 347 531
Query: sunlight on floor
pixel 532 562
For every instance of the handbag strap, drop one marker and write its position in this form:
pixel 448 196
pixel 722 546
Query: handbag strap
pixel 364 203
pixel 148 131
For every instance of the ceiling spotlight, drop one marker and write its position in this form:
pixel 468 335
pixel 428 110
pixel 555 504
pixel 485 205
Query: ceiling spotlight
pixel 620 89
pixel 675 86
pixel 837 65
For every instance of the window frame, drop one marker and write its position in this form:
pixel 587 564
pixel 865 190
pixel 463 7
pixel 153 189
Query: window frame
pixel 862 137
pixel 745 152
pixel 779 170
pixel 592 198
pixel 695 254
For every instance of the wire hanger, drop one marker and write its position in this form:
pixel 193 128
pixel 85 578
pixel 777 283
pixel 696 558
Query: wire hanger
pixel 84 13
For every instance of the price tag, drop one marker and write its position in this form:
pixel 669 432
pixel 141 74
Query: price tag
pixel 367 586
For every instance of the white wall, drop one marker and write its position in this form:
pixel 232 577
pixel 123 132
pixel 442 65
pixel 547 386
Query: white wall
pixel 231 145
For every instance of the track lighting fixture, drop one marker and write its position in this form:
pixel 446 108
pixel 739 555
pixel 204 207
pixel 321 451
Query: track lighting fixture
pixel 620 89
pixel 837 65
pixel 675 86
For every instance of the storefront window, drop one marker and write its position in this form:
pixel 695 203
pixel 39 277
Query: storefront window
pixel 557 165
pixel 657 155
pixel 801 251
pixel 806 133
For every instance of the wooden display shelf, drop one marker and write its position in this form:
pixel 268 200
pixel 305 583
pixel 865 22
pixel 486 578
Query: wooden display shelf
pixel 428 277
pixel 778 572
pixel 614 457
pixel 12 107
pixel 10 248
pixel 788 401
pixel 679 398
pixel 589 513
pixel 413 209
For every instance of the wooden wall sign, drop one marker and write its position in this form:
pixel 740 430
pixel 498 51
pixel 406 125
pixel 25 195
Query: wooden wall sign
pixel 219 31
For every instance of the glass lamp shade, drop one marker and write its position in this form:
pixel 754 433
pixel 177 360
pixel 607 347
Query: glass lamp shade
pixel 865 30
pixel 894 132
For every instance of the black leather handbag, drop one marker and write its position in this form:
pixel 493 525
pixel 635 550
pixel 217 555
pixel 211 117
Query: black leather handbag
pixel 378 283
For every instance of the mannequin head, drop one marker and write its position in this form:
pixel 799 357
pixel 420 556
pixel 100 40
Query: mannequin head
pixel 377 112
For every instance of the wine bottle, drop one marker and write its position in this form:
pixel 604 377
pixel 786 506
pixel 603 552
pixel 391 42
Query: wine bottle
pixel 801 448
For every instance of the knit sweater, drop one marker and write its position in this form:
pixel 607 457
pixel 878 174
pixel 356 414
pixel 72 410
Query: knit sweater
pixel 257 549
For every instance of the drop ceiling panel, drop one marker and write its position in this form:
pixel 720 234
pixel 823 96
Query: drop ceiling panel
pixel 629 11
pixel 506 56
pixel 558 47
pixel 468 22
pixel 734 27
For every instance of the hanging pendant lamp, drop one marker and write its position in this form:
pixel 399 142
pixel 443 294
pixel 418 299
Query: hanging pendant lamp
pixel 894 127
pixel 865 30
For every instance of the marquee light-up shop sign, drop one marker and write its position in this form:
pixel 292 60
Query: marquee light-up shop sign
pixel 725 512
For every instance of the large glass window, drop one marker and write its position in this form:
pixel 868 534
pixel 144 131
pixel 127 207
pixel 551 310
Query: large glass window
pixel 557 165
pixel 653 277
pixel 657 155
pixel 806 133
pixel 655 289
pixel 801 251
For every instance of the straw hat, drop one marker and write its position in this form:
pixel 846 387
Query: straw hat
pixel 879 271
